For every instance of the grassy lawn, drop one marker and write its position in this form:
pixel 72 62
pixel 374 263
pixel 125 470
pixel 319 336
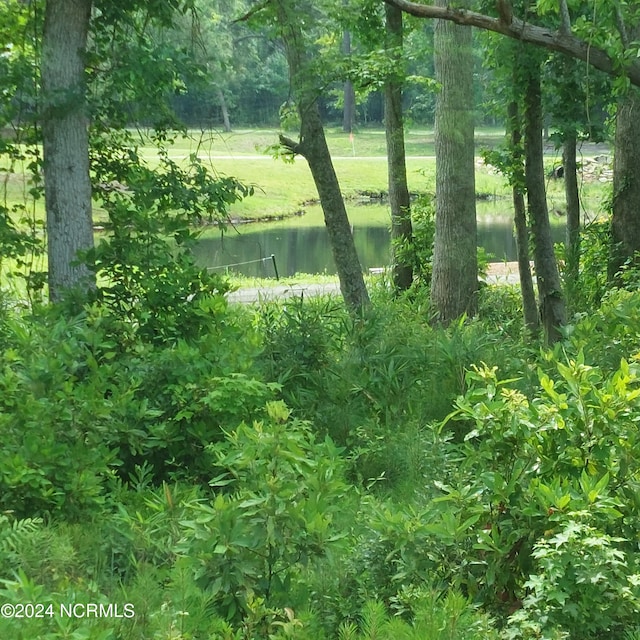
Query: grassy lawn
pixel 282 189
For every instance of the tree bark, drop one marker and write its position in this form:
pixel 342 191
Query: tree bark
pixel 66 144
pixel 530 310
pixel 313 147
pixel 552 308
pixel 572 240
pixel 526 32
pixel 625 221
pixel 401 230
pixel 454 283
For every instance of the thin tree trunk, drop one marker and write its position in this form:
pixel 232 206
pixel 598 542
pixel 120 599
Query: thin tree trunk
pixel 625 221
pixel 313 147
pixel 552 309
pixel 401 230
pixel 66 144
pixel 455 259
pixel 226 122
pixel 349 108
pixel 349 113
pixel 572 240
pixel 529 307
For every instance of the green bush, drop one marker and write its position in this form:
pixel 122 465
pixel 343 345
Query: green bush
pixel 583 586
pixel 55 422
pixel 608 334
pixel 78 407
pixel 531 465
pixel 275 514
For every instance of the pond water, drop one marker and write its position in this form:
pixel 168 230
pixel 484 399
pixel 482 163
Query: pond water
pixel 300 244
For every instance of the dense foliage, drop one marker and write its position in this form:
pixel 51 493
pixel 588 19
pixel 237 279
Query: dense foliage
pixel 173 467
pixel 417 482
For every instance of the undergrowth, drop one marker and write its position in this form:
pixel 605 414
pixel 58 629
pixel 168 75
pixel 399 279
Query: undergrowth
pixel 291 471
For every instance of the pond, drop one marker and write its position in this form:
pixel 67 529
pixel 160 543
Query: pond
pixel 300 244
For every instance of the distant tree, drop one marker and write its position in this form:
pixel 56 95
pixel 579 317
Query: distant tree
pixel 227 88
pixel 349 93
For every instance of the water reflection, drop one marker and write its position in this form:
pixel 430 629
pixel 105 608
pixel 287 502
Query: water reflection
pixel 300 248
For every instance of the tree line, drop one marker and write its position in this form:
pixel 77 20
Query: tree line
pixel 102 66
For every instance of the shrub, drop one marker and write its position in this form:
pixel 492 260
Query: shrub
pixel 583 587
pixel 281 492
pixel 531 464
pixel 54 423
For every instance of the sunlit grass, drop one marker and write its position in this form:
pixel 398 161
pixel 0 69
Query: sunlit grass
pixel 248 282
pixel 282 189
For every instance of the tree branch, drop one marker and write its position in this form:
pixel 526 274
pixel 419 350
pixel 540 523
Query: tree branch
pixel 252 12
pixel 296 148
pixel 525 32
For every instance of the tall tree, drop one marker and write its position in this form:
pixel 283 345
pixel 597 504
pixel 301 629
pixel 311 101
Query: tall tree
pixel 399 202
pixel 312 145
pixel 575 98
pixel 514 127
pixel 66 143
pixel 608 44
pixel 625 221
pixel 550 298
pixel 455 262
pixel 505 59
pixel 65 119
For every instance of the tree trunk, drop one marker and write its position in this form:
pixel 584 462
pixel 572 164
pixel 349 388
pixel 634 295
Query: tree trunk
pixel 625 221
pixel 552 309
pixel 401 231
pixel 313 147
pixel 226 122
pixel 530 310
pixel 572 240
pixel 349 108
pixel 66 143
pixel 455 259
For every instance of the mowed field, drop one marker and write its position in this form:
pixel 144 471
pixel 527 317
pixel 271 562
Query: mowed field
pixel 284 188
